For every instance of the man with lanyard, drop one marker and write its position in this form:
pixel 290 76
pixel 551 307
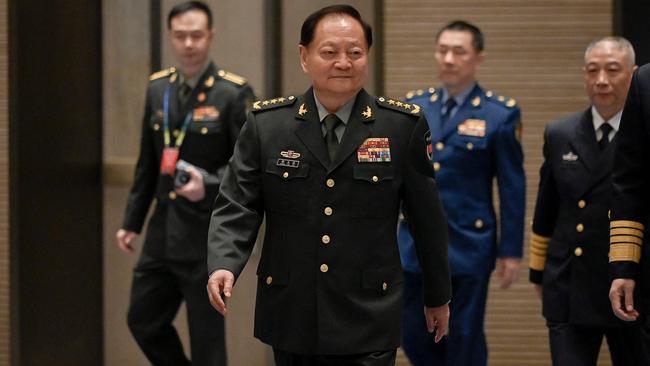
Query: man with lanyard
pixel 474 138
pixel 192 118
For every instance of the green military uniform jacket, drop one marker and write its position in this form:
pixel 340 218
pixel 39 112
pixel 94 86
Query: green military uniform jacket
pixel 178 227
pixel 329 278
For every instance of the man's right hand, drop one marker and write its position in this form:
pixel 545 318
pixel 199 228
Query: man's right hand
pixel 621 295
pixel 220 281
pixel 125 239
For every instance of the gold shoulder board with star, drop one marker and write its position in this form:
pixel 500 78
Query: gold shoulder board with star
pixel 502 99
pixel 162 73
pixel 262 105
pixel 233 78
pixel 400 106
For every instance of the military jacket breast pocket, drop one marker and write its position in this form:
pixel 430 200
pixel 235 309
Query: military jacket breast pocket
pixel 376 186
pixel 470 144
pixel 204 127
pixel 286 188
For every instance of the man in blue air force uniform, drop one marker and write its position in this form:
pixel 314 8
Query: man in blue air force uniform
pixel 474 138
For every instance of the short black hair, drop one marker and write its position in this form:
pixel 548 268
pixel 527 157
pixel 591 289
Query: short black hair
pixel 309 25
pixel 463 26
pixel 189 6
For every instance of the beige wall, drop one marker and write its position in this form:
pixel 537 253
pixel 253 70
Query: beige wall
pixel 4 188
pixel 534 54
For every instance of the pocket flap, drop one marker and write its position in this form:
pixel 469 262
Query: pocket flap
pixel 373 173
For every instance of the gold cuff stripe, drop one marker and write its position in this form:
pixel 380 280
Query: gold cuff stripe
pixel 621 239
pixel 624 252
pixel 538 251
pixel 539 238
pixel 626 223
pixel 626 231
pixel 534 245
pixel 537 262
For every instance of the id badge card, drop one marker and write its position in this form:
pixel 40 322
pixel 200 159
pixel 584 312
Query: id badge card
pixel 168 161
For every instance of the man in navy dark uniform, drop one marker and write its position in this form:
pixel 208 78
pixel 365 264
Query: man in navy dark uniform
pixel 475 138
pixel 630 209
pixel 570 238
pixel 329 170
pixel 193 113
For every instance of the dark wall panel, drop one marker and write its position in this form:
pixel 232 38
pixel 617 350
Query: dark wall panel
pixel 631 21
pixel 56 196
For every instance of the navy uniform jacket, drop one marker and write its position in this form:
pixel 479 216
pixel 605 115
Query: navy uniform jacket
pixel 570 239
pixel 476 145
pixel 178 227
pixel 329 277
pixel 631 183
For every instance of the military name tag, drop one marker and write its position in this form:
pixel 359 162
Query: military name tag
pixel 472 127
pixel 288 163
pixel 374 150
pixel 205 113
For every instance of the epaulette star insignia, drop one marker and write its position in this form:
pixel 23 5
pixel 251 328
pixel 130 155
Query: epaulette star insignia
pixel 398 105
pixel 162 73
pixel 233 78
pixel 476 101
pixel 415 93
pixel 508 102
pixel 261 105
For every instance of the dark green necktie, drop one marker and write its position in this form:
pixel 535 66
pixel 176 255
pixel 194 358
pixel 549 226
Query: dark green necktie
pixel 184 94
pixel 331 122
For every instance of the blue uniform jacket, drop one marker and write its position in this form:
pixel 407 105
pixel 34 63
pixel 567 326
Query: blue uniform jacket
pixel 480 142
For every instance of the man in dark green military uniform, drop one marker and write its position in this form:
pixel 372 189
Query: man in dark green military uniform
pixel 329 169
pixel 194 114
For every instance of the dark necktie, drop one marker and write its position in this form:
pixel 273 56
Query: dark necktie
pixel 449 105
pixel 331 122
pixel 605 128
pixel 184 94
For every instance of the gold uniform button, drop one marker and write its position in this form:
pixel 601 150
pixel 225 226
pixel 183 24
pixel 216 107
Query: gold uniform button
pixel 324 268
pixel 470 146
pixel 325 239
pixel 478 223
pixel 580 228
pixel 285 175
pixel 582 204
pixel 609 214
pixel 436 166
pixel 156 127
pixel 375 178
pixel 440 146
pixel 269 280
pixel 328 211
pixel 384 286
pixel 578 251
pixel 176 133
pixel 330 183
pixel 204 130
pixel 172 195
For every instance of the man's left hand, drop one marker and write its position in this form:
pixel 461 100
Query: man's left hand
pixel 508 270
pixel 437 320
pixel 194 190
